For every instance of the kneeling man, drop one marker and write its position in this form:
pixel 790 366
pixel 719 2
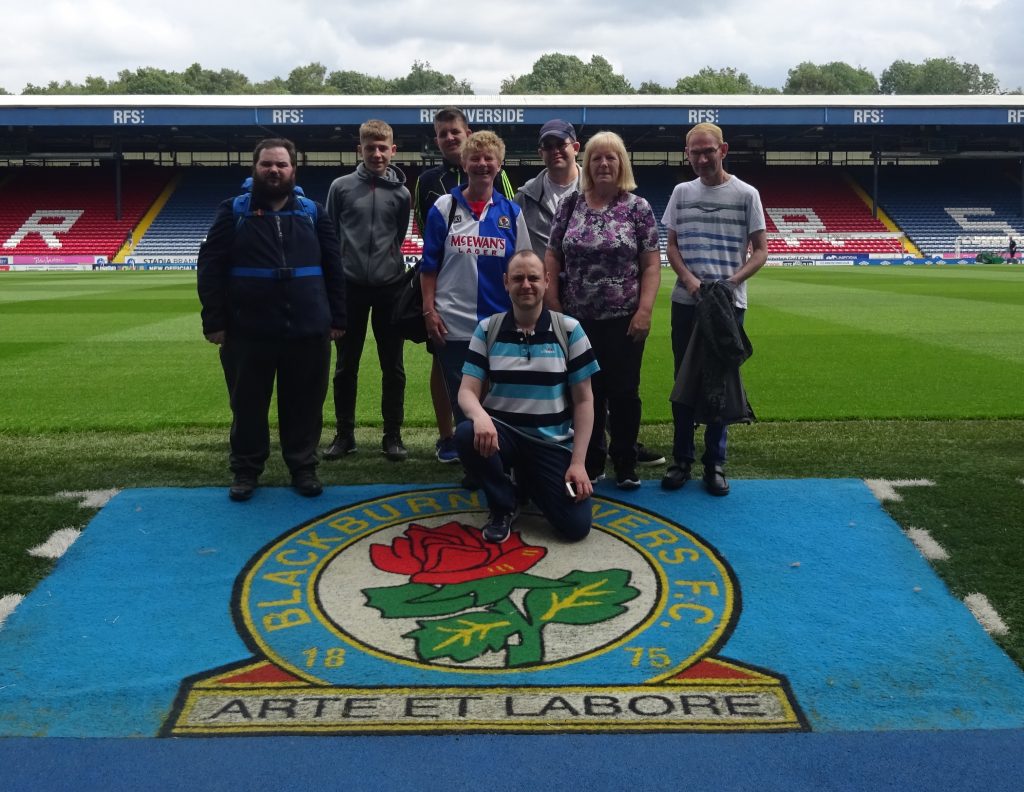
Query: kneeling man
pixel 538 413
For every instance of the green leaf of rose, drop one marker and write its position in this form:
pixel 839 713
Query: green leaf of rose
pixel 490 590
pixel 584 598
pixel 411 599
pixel 462 638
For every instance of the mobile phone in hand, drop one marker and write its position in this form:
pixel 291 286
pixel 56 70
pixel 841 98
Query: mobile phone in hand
pixel 570 490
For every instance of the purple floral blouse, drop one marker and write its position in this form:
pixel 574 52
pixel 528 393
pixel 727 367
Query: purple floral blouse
pixel 600 251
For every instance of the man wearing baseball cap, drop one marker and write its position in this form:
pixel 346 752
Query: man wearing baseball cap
pixel 539 197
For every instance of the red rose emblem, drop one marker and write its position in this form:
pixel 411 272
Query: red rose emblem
pixel 453 553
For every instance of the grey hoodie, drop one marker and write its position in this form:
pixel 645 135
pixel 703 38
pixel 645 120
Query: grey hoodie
pixel 530 198
pixel 371 214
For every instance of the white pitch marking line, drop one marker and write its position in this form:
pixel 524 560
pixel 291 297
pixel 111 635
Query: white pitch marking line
pixel 8 602
pixel 57 545
pixel 928 547
pixel 91 499
pixel 885 489
pixel 986 615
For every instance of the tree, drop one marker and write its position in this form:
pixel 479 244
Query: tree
pixel 205 81
pixel 649 87
pixel 307 79
pixel 830 78
pixel 556 73
pixel 148 80
pixel 424 80
pixel 718 81
pixel 274 85
pixel 937 76
pixel 353 83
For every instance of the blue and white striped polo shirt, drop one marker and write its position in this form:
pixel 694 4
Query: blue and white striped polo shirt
pixel 530 379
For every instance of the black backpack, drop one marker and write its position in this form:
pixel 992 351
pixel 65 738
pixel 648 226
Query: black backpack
pixel 407 313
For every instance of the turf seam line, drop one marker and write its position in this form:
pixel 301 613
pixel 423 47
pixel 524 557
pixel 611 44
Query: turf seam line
pixel 8 602
pixel 885 489
pixel 987 616
pixel 926 544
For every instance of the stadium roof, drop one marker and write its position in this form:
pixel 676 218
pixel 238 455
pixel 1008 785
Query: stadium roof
pixel 926 126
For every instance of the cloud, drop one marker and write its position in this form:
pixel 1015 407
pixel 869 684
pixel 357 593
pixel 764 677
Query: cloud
pixel 660 40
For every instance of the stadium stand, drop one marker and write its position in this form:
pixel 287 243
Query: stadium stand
pixel 975 203
pixel 814 210
pixel 70 211
pixel 810 210
pixel 182 224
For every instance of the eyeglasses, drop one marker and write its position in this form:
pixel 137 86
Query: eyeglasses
pixel 554 145
pixel 696 154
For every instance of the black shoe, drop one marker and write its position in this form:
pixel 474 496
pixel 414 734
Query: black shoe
pixel 645 457
pixel 243 487
pixel 626 478
pixel 341 445
pixel 714 480
pixel 498 527
pixel 676 476
pixel 393 448
pixel 306 483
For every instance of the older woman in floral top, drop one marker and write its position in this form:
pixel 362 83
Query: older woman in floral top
pixel 603 254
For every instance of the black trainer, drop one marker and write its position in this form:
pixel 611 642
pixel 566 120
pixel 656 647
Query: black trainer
pixel 645 457
pixel 714 480
pixel 341 445
pixel 498 527
pixel 393 448
pixel 243 487
pixel 626 478
pixel 306 483
pixel 676 476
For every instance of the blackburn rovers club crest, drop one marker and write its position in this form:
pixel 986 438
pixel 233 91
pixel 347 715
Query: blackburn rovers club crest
pixel 393 615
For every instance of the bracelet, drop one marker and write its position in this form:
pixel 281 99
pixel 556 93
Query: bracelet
pixel 427 313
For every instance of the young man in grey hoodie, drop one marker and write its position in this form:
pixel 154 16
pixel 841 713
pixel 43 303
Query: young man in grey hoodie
pixel 370 209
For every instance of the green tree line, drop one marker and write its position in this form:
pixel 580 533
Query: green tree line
pixel 553 73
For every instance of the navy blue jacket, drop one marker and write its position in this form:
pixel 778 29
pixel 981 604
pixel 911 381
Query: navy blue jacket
pixel 278 306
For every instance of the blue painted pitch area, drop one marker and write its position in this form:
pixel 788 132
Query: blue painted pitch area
pixel 898 683
pixel 969 761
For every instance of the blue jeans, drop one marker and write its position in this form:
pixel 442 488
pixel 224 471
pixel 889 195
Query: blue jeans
pixel 715 435
pixel 540 470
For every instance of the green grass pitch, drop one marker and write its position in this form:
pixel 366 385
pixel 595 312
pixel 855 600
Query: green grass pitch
pixel 867 372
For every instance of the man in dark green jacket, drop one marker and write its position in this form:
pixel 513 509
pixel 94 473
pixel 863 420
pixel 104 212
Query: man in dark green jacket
pixel 273 297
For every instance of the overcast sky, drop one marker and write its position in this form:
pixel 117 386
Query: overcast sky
pixel 487 42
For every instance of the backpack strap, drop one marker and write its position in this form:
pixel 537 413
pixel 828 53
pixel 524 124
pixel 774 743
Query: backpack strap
pixel 557 327
pixel 241 207
pixel 493 328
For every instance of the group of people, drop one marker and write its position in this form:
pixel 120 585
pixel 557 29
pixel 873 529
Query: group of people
pixel 537 304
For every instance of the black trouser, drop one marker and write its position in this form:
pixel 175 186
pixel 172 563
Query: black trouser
pixel 300 367
pixel 373 303
pixel 616 391
pixel 540 470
